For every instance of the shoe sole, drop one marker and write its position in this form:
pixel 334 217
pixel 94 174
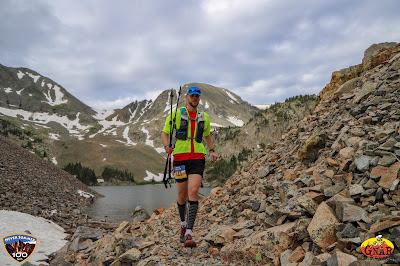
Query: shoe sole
pixel 190 244
pixel 183 239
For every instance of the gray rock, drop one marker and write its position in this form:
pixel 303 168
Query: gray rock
pixel 256 206
pixel 140 215
pixel 370 184
pixel 362 162
pixel 368 262
pixel 263 206
pixel 340 204
pixel 368 192
pixel 383 134
pixel 333 190
pixel 387 160
pixel 367 89
pixel 394 259
pixel 130 256
pixel 263 171
pixel 83 233
pixel 356 189
pixel 375 161
pixel 349 231
pixel 388 145
pixel 353 213
pixel 310 259
pixel 340 258
pixel 244 233
pixel 379 194
pixel 129 243
pixel 394 185
pixel 284 257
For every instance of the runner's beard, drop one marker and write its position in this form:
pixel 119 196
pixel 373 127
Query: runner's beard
pixel 191 104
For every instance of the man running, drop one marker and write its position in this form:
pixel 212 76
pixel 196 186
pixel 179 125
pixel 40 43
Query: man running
pixel 189 161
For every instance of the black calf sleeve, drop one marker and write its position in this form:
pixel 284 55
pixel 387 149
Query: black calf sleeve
pixel 182 211
pixel 192 212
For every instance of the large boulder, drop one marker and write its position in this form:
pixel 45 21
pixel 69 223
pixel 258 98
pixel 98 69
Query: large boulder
pixel 140 215
pixel 322 227
pixel 309 153
pixel 375 50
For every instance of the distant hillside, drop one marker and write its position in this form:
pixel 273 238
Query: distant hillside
pixel 239 145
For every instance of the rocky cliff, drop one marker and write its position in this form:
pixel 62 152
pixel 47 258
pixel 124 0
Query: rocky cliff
pixel 330 183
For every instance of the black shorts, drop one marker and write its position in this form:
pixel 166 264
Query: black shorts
pixel 191 167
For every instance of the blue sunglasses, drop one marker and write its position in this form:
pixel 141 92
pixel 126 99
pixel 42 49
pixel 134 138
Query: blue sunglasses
pixel 194 90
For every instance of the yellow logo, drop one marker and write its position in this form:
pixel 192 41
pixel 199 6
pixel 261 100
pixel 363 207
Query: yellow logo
pixel 377 247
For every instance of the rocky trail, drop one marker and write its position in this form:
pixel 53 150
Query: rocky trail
pixel 313 198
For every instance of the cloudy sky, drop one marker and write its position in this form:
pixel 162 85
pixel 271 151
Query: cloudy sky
pixel 110 53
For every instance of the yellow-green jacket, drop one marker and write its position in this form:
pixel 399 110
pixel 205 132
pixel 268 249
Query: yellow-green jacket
pixel 184 146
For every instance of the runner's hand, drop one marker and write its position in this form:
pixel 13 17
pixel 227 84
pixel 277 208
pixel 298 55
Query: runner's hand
pixel 169 150
pixel 214 157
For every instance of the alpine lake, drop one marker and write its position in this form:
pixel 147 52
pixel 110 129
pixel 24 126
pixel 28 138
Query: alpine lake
pixel 120 202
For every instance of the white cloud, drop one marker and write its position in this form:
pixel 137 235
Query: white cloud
pixel 110 53
pixel 112 104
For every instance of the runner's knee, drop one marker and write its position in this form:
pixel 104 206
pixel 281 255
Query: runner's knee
pixel 194 191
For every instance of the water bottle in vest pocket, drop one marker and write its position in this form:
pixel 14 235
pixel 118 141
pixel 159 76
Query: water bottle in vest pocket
pixel 200 127
pixel 182 132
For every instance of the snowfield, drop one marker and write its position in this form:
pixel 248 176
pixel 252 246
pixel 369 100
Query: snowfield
pixel 235 121
pixel 44 118
pixel 50 235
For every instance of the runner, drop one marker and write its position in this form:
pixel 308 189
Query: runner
pixel 189 160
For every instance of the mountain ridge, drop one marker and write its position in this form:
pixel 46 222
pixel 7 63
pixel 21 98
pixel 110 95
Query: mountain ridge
pixel 70 124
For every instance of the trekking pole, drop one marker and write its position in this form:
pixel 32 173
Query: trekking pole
pixel 171 137
pixel 168 162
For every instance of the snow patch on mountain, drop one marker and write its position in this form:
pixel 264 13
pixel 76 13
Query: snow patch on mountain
pixel 148 140
pixel 20 74
pixel 7 90
pixel 232 97
pixel 100 116
pixel 34 77
pixel 150 176
pixel 235 121
pixel 133 114
pixel 262 106
pixel 43 118
pixel 54 136
pixel 125 135
pixel 58 96
pixel 147 106
pixel 215 125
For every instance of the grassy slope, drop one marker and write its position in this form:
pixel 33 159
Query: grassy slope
pixel 91 154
